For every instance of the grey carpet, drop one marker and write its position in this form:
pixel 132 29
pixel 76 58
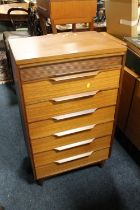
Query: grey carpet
pixel 5 74
pixel 5 26
pixel 116 186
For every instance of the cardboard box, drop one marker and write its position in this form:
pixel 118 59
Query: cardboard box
pixel 122 17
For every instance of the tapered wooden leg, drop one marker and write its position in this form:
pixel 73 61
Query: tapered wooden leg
pixel 40 182
pixel 101 164
pixel 2 208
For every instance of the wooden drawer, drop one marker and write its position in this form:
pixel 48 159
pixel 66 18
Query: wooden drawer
pixel 62 127
pixel 60 156
pixel 51 142
pixel 54 168
pixel 72 103
pixel 67 85
pixel 41 72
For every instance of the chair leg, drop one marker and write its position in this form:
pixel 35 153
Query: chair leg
pixel 91 25
pixel 54 30
pixel 43 24
pixel 74 27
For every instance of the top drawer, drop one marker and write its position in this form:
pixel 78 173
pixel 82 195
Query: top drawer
pixel 44 71
pixel 40 91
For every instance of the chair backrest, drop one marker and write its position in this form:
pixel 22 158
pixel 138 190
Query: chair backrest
pixel 19 23
pixel 68 12
pixel 28 19
pixel 72 11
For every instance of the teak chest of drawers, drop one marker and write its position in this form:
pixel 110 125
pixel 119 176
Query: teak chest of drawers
pixel 67 87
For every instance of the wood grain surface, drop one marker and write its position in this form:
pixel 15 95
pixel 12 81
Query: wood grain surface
pixel 48 109
pixel 50 127
pixel 66 45
pixel 45 71
pixel 53 168
pixel 50 142
pixel 47 157
pixel 46 90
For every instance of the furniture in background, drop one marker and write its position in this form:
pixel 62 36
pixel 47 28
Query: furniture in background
pixel 68 86
pixel 67 12
pixel 129 108
pixel 17 15
pixel 100 14
pixel 10 1
pixel 122 17
pixel 43 17
pixel 133 53
pixel 24 28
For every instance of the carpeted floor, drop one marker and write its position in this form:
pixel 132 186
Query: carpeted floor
pixel 116 186
pixel 5 75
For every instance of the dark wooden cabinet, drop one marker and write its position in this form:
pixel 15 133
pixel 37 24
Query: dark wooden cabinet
pixel 133 124
pixel 129 108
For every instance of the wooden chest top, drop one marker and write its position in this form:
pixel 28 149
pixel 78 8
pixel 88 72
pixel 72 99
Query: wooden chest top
pixel 55 47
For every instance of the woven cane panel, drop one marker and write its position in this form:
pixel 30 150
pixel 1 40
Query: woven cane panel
pixel 37 73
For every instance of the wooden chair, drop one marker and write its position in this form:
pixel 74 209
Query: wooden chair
pixel 21 29
pixel 43 17
pixel 67 12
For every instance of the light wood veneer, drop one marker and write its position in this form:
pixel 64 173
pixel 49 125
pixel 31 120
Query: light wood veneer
pixel 43 128
pixel 48 89
pixel 47 157
pixel 53 168
pixel 68 88
pixel 51 142
pixel 50 108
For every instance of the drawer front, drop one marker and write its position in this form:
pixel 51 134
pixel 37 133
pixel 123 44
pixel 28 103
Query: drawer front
pixel 51 142
pixel 41 72
pixel 62 156
pixel 68 104
pixel 55 168
pixel 54 127
pixel 67 85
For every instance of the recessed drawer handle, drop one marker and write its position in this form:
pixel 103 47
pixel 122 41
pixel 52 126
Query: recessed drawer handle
pixel 74 76
pixel 77 144
pixel 74 114
pixel 75 130
pixel 87 154
pixel 76 96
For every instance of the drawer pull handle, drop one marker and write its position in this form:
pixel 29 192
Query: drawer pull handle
pixel 75 130
pixel 74 76
pixel 77 144
pixel 74 114
pixel 76 96
pixel 65 160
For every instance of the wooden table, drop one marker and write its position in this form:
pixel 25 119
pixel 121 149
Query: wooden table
pixel 17 15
